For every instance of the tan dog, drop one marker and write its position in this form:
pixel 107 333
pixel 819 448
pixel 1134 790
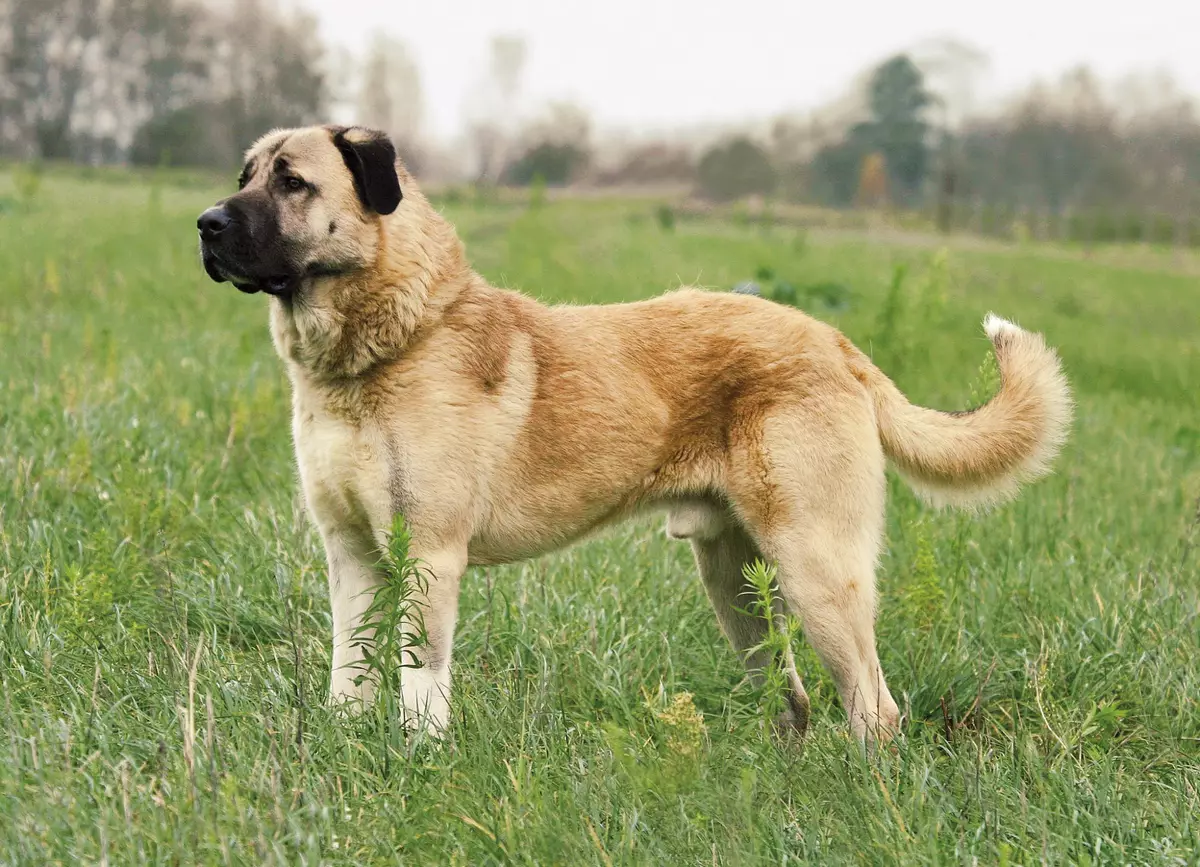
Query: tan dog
pixel 502 429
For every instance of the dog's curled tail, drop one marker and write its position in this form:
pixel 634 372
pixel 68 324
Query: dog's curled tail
pixel 981 457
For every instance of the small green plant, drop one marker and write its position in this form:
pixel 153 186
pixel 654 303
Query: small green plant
pixel 27 178
pixel 537 191
pixel 933 290
pixel 665 215
pixel 987 380
pixel 886 339
pixel 923 598
pixel 832 296
pixel 926 308
pixel 664 756
pixel 392 630
pixel 483 194
pixel 777 642
pixel 684 727
pixel 1068 304
pixel 766 217
pixel 86 601
pixel 785 293
pixel 157 179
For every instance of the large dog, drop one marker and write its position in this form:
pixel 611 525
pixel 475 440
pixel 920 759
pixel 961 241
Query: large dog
pixel 501 428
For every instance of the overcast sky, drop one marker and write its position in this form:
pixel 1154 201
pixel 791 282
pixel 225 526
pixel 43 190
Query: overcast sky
pixel 639 63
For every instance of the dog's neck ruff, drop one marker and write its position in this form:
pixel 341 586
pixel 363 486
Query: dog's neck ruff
pixel 336 328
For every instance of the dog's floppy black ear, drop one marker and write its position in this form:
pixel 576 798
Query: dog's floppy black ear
pixel 371 159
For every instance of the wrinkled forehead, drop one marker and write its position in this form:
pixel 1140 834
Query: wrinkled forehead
pixel 308 151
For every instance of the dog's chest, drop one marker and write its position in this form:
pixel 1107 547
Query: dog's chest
pixel 344 473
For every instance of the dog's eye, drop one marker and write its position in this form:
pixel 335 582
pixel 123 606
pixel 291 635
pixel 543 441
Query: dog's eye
pixel 294 184
pixel 242 180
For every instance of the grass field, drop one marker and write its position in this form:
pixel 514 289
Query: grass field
pixel 164 623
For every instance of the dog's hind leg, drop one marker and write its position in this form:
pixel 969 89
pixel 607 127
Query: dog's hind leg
pixel 829 581
pixel 721 558
pixel 820 521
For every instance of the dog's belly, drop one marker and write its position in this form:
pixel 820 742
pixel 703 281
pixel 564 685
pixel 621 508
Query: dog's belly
pixel 512 533
pixel 517 538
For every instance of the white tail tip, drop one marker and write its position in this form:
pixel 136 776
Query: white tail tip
pixel 994 326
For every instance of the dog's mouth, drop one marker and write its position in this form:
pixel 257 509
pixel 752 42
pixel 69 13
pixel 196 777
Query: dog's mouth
pixel 211 266
pixel 221 271
pixel 278 286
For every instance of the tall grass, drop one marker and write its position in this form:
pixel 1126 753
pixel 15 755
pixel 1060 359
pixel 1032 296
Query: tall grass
pixel 164 626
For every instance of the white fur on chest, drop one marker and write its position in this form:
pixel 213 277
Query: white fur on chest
pixel 344 473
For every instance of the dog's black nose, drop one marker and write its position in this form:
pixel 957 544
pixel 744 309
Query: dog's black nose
pixel 213 222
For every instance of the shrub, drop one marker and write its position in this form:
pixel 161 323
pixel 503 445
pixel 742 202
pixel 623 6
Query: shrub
pixel 735 169
pixel 556 164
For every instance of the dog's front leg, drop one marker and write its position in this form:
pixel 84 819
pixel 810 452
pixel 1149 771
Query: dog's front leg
pixel 353 579
pixel 425 687
pixel 425 690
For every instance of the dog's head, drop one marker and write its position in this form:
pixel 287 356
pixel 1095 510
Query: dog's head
pixel 308 205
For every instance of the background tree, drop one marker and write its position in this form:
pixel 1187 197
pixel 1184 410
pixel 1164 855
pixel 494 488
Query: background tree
pixel 649 164
pixel 952 70
pixel 833 173
pixel 872 181
pixel 492 109
pixel 194 81
pixel 149 80
pixel 794 143
pixel 1055 146
pixel 555 148
pixel 734 169
pixel 390 96
pixel 897 129
pixel 895 101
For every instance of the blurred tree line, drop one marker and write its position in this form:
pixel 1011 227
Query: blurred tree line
pixel 152 81
pixel 1067 146
pixel 908 135
pixel 192 82
pixel 1071 146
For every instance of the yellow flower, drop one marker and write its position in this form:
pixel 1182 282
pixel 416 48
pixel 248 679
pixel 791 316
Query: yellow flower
pixel 685 725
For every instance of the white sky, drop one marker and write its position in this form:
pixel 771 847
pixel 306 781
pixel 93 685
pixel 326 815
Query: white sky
pixel 658 63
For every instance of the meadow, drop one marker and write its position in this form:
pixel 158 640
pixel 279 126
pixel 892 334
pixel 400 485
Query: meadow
pixel 164 625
